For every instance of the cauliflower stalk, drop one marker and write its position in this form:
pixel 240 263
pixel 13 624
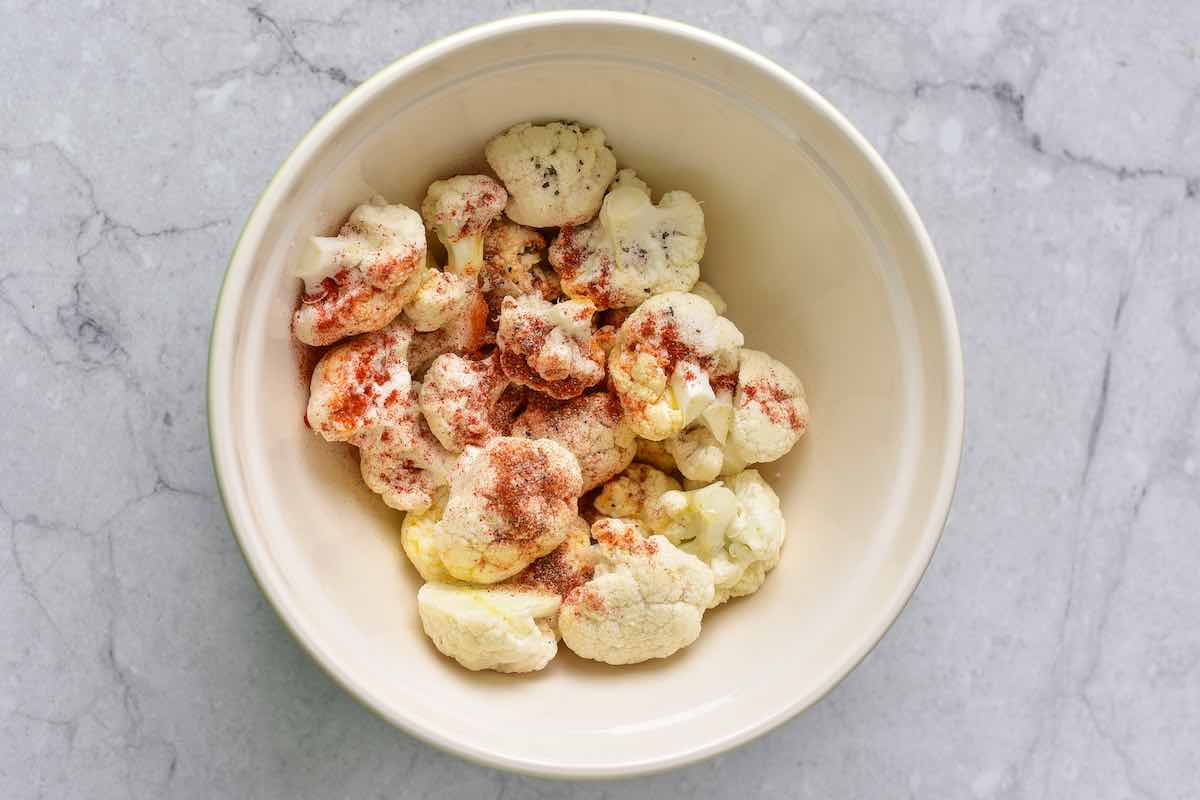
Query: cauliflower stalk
pixel 646 600
pixel 738 530
pixel 555 174
pixel 634 249
pixel 459 210
pixel 502 628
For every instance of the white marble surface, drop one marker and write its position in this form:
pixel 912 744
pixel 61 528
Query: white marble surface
pixel 1053 649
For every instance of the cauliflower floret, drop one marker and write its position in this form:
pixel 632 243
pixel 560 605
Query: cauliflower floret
pixel 552 347
pixel 702 289
pixel 634 249
pixel 671 358
pixel 646 600
pixel 460 399
pixel 760 423
pixel 418 538
pixel 363 384
pixel 503 628
pixel 511 501
pixel 465 335
pixel 359 280
pixel 591 427
pixel 513 264
pixel 459 210
pixel 738 531
pixel 654 454
pixel 634 494
pixel 440 298
pixel 405 465
pixel 555 174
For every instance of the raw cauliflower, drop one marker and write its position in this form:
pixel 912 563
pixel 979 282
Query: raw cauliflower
pixel 591 427
pixel 502 628
pixel 418 538
pixel 362 384
pixel 671 358
pixel 405 465
pixel 555 174
pixel 460 399
pixel 463 335
pixel 766 417
pixel 513 264
pixel 359 280
pixel 646 600
pixel 702 289
pixel 511 501
pixel 551 347
pixel 634 249
pixel 441 297
pixel 634 494
pixel 459 210
pixel 737 530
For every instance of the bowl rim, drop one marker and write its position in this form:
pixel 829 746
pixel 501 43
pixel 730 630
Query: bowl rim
pixel 224 324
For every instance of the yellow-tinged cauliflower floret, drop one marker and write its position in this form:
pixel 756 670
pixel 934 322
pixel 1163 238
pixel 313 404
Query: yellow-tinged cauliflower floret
pixel 767 416
pixel 418 538
pixel 555 174
pixel 511 501
pixel 634 249
pixel 440 298
pixel 672 357
pixel 359 280
pixel 459 210
pixel 552 347
pixel 738 530
pixel 461 401
pixel 646 600
pixel 634 494
pixel 500 628
pixel 591 427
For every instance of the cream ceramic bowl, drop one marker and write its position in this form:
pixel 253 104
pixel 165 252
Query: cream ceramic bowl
pixel 824 264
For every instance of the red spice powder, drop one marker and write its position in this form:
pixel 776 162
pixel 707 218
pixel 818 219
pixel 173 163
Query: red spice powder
pixel 775 402
pixel 526 489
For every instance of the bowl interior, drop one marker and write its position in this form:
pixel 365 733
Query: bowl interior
pixel 822 265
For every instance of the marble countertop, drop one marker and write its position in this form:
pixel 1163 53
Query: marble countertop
pixel 1053 649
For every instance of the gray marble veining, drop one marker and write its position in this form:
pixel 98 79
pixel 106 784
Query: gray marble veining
pixel 1053 649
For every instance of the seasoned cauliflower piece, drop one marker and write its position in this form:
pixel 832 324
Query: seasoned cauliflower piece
pixel 591 427
pixel 551 347
pixel 460 399
pixel 634 493
pixel 555 174
pixel 463 335
pixel 511 501
pixel 654 454
pixel 363 384
pixel 440 297
pixel 562 569
pixel 646 600
pixel 359 280
pixel 738 531
pixel 418 538
pixel 513 264
pixel 702 289
pixel 634 249
pixel 671 358
pixel 405 465
pixel 459 210
pixel 502 628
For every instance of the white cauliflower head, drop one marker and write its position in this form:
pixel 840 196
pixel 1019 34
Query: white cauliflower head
pixel 591 427
pixel 459 210
pixel 552 347
pixel 646 600
pixel 461 400
pixel 737 530
pixel 503 628
pixel 359 280
pixel 770 413
pixel 363 384
pixel 513 264
pixel 555 174
pixel 465 335
pixel 440 297
pixel 511 501
pixel 672 358
pixel 405 465
pixel 634 249
pixel 634 494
